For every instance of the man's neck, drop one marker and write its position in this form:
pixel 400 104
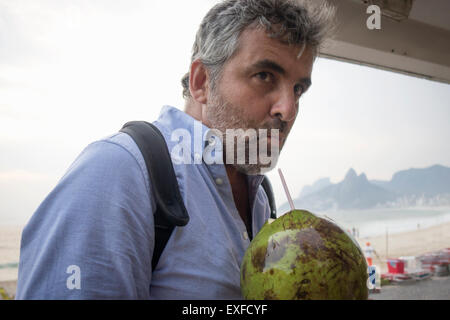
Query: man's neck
pixel 193 110
pixel 234 175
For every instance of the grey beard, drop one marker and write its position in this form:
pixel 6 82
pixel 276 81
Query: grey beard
pixel 222 116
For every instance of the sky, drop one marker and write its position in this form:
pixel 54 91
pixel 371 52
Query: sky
pixel 73 72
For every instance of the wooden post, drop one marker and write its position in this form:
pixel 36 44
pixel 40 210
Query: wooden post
pixel 387 244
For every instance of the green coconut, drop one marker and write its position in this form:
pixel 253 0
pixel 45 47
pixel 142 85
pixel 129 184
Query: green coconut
pixel 301 256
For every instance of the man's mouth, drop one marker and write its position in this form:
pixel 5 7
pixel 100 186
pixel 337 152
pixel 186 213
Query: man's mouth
pixel 281 135
pixel 281 139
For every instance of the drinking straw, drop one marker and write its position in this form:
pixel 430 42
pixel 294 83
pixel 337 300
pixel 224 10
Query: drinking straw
pixel 286 190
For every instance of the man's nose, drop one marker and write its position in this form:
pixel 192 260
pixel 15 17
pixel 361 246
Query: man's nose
pixel 285 106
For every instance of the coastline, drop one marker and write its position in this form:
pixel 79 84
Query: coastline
pixel 371 223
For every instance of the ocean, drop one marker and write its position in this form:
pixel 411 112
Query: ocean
pixel 376 222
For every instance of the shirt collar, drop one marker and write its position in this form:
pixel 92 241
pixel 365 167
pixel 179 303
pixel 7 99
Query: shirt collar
pixel 204 143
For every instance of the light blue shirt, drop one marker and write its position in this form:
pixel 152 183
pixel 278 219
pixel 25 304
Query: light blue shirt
pixel 93 235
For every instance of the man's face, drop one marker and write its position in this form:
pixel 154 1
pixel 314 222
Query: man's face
pixel 260 88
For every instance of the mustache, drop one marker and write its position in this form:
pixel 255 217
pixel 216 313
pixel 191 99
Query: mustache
pixel 276 124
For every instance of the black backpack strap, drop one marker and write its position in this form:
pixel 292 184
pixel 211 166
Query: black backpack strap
pixel 267 186
pixel 170 209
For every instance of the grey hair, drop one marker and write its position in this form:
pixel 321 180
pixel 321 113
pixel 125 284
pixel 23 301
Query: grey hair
pixel 298 22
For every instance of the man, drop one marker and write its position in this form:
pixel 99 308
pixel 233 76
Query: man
pixel 93 236
pixel 368 252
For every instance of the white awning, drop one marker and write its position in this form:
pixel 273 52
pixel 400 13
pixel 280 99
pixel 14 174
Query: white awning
pixel 414 37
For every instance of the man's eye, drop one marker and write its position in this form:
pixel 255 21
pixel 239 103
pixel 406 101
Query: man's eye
pixel 298 89
pixel 264 76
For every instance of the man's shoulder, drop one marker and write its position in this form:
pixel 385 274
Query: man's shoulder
pixel 113 157
pixel 122 142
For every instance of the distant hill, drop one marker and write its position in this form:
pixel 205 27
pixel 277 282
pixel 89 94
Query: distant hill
pixel 412 187
pixel 430 181
pixel 318 185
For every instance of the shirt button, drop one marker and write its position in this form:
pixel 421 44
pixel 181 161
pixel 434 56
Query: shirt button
pixel 198 157
pixel 245 235
pixel 219 181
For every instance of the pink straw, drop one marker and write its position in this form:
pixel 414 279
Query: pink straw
pixel 288 195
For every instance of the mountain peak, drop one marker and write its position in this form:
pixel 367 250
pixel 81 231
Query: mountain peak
pixel 363 177
pixel 351 174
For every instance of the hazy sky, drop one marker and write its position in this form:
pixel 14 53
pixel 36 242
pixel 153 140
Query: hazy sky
pixel 72 72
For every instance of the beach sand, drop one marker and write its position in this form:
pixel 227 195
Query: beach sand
pixel 411 243
pixel 10 237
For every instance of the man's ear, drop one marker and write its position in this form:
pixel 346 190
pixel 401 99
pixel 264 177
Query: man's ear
pixel 198 82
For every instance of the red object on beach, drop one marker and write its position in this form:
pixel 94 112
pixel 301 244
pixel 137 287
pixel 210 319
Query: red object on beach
pixel 396 266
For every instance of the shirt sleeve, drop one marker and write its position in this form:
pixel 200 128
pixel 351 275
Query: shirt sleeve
pixel 93 236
